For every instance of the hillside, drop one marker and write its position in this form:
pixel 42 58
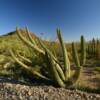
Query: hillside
pixel 11 40
pixel 9 68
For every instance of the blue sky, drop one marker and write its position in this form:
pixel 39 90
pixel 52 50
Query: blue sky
pixel 73 17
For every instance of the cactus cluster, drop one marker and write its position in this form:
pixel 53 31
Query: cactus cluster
pixel 93 48
pixel 75 55
pixel 98 49
pixel 54 71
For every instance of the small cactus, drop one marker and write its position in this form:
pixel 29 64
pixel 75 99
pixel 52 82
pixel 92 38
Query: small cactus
pixel 83 51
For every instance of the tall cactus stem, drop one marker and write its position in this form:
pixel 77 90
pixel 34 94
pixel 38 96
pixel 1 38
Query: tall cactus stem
pixel 75 55
pixel 65 55
pixel 30 36
pixel 28 42
pixel 56 74
pixel 53 57
pixel 83 51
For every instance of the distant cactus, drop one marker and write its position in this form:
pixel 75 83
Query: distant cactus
pixel 98 49
pixel 54 71
pixel 83 51
pixel 88 48
pixel 94 46
pixel 75 55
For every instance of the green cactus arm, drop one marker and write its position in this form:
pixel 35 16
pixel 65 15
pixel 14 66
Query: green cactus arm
pixel 39 74
pixel 55 73
pixel 26 67
pixel 30 37
pixel 28 42
pixel 17 60
pixel 65 55
pixel 59 69
pixel 46 49
pixel 24 58
pixel 75 55
pixel 75 77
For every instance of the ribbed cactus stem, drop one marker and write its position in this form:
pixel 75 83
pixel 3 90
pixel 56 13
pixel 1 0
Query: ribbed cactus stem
pixel 17 60
pixel 55 73
pixel 60 71
pixel 30 36
pixel 28 42
pixel 25 59
pixel 27 67
pixel 76 75
pixel 65 55
pixel 75 55
pixel 83 51
pixel 47 50
pixel 39 74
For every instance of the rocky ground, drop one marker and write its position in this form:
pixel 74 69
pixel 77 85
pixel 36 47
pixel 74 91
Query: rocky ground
pixel 12 90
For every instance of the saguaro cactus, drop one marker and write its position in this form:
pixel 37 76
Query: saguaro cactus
pixel 54 70
pixel 83 51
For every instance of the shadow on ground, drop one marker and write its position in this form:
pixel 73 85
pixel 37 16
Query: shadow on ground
pixel 35 82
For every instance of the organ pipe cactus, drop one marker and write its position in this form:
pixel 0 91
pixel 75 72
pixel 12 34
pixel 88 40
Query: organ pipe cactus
pixel 65 55
pixel 97 49
pixel 83 51
pixel 75 55
pixel 94 46
pixel 77 62
pixel 56 72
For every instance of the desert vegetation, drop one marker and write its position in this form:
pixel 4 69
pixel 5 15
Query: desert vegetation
pixel 27 58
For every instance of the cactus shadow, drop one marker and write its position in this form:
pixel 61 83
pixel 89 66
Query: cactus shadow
pixel 32 82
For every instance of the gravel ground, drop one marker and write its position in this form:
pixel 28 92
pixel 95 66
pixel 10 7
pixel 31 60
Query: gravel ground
pixel 16 91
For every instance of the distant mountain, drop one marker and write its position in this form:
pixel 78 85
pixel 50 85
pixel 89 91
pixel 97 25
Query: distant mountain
pixel 23 32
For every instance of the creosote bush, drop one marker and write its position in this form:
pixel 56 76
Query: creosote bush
pixel 49 68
